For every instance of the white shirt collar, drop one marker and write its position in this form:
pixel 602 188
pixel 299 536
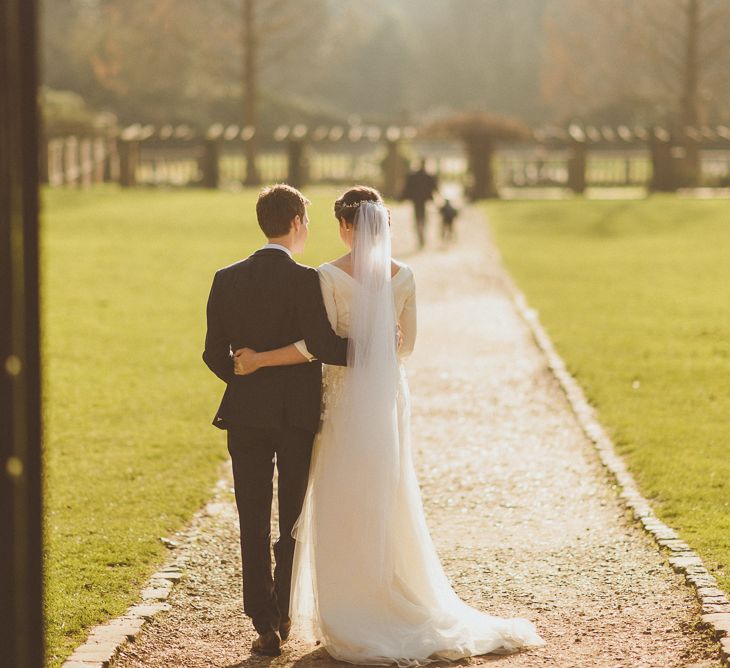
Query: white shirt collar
pixel 279 247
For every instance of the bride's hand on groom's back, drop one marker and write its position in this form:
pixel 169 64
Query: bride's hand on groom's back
pixel 245 361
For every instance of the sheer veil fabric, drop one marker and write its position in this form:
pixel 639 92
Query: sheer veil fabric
pixel 367 580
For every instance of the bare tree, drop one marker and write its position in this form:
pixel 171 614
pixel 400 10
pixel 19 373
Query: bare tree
pixel 686 41
pixel 250 87
pixel 275 35
pixel 668 53
pixel 139 58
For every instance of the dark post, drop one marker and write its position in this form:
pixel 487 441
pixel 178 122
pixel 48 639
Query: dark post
pixel 128 159
pixel 577 160
pixel 662 162
pixel 577 167
pixel 480 149
pixel 209 163
pixel 297 173
pixel 21 577
pixel 394 165
pixel 686 156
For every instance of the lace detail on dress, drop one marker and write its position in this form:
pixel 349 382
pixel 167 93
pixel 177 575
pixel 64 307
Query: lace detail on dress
pixel 333 377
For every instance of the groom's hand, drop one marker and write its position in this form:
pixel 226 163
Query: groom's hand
pixel 245 361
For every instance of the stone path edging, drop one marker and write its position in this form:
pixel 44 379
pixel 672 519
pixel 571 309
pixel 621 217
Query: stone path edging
pixel 105 641
pixel 714 602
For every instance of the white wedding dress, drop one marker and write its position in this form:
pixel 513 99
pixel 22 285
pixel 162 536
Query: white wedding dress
pixel 367 581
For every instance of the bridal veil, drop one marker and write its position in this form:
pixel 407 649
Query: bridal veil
pixel 367 579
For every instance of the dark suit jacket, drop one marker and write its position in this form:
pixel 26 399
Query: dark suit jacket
pixel 265 302
pixel 420 187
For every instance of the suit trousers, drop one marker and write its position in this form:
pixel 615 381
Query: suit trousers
pixel 253 453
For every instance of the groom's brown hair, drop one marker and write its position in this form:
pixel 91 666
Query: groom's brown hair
pixel 276 207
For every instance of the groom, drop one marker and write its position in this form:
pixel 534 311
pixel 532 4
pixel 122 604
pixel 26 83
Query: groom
pixel 264 302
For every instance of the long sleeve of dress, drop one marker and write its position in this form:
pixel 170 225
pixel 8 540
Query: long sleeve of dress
pixel 408 320
pixel 328 296
pixel 321 340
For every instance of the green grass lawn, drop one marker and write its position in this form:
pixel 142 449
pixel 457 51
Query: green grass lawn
pixel 129 449
pixel 636 298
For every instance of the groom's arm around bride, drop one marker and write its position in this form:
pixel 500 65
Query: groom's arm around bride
pixel 269 301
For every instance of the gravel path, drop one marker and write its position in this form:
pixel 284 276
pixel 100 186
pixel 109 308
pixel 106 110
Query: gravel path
pixel 523 515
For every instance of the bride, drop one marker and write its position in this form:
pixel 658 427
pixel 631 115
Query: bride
pixel 367 581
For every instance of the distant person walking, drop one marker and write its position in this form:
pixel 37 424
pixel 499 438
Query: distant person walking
pixel 448 215
pixel 419 189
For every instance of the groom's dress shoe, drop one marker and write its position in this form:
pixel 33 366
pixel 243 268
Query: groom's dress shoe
pixel 285 629
pixel 267 644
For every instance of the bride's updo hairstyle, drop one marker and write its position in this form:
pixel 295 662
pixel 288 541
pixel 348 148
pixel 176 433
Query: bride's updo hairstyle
pixel 346 206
